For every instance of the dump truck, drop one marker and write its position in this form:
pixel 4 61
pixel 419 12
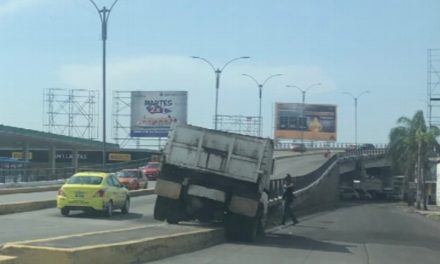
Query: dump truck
pixel 215 176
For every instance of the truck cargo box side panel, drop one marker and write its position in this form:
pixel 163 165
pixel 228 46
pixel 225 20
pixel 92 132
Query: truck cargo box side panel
pixel 243 170
pixel 229 155
pixel 182 156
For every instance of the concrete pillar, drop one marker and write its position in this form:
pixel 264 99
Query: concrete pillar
pixel 75 157
pixel 25 156
pixel 52 161
pixel 25 152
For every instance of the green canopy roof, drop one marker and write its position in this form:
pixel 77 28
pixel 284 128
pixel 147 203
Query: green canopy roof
pixel 19 137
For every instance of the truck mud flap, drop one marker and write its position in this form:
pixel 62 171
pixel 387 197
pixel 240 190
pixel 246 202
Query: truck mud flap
pixel 201 191
pixel 243 206
pixel 168 189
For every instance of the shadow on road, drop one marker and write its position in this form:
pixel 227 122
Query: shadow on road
pixel 300 242
pixel 97 215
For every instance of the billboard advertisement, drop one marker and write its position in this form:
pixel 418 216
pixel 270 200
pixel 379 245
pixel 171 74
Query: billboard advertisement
pixel 305 121
pixel 153 112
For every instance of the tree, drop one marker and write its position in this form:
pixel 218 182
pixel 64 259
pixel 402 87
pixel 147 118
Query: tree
pixel 411 144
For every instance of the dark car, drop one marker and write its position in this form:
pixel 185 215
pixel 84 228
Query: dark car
pixel 299 147
pixel 367 147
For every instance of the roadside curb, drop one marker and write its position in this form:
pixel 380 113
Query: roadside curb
pixel 134 251
pixel 22 207
pixel 29 189
pixel 8 260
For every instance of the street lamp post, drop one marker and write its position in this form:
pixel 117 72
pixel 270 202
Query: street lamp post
pixel 218 72
pixel 355 98
pixel 260 93
pixel 104 14
pixel 303 93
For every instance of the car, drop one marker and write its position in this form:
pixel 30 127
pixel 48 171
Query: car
pixel 350 148
pixel 152 170
pixel 366 147
pixel 347 193
pixel 364 195
pixel 93 191
pixel 132 179
pixel 299 147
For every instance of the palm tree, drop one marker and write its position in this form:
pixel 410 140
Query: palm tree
pixel 411 144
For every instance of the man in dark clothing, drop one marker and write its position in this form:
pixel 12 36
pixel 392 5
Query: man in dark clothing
pixel 288 197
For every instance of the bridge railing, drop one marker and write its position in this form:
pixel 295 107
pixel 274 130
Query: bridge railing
pixel 325 145
pixel 300 182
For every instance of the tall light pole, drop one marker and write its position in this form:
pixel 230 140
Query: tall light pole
pixel 104 14
pixel 303 93
pixel 218 72
pixel 260 93
pixel 355 98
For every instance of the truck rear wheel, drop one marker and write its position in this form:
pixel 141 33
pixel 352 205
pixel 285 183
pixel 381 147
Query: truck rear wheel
pixel 160 208
pixel 241 228
pixel 168 209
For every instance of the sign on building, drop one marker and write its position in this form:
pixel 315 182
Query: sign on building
pixel 153 112
pixel 305 121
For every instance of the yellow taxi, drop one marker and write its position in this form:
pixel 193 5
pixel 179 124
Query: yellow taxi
pixel 88 191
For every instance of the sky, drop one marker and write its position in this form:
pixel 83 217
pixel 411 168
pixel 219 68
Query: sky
pixel 347 46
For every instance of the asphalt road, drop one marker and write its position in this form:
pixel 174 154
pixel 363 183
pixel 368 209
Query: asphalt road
pixel 50 223
pixel 298 165
pixel 39 196
pixel 374 233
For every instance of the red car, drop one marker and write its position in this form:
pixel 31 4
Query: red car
pixel 132 179
pixel 152 170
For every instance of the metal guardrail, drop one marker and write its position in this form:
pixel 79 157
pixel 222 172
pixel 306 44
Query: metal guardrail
pixel 47 174
pixel 357 154
pixel 325 145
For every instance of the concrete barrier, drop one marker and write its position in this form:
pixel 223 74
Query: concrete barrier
pixel 8 260
pixel 5 191
pixel 21 207
pixel 133 251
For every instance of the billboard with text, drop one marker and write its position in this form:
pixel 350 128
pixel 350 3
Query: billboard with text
pixel 305 121
pixel 153 112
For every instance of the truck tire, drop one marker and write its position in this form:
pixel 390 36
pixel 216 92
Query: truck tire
pixel 168 209
pixel 250 229
pixel 175 212
pixel 232 226
pixel 160 208
pixel 243 228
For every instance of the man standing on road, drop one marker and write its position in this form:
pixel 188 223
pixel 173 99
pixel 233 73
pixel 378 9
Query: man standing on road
pixel 288 197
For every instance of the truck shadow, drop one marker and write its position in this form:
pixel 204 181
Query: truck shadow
pixel 300 242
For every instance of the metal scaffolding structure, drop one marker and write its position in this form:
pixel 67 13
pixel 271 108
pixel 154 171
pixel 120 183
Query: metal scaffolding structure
pixel 433 84
pixel 71 112
pixel 121 120
pixel 247 125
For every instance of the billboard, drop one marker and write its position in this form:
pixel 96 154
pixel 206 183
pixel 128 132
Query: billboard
pixel 153 112
pixel 305 121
